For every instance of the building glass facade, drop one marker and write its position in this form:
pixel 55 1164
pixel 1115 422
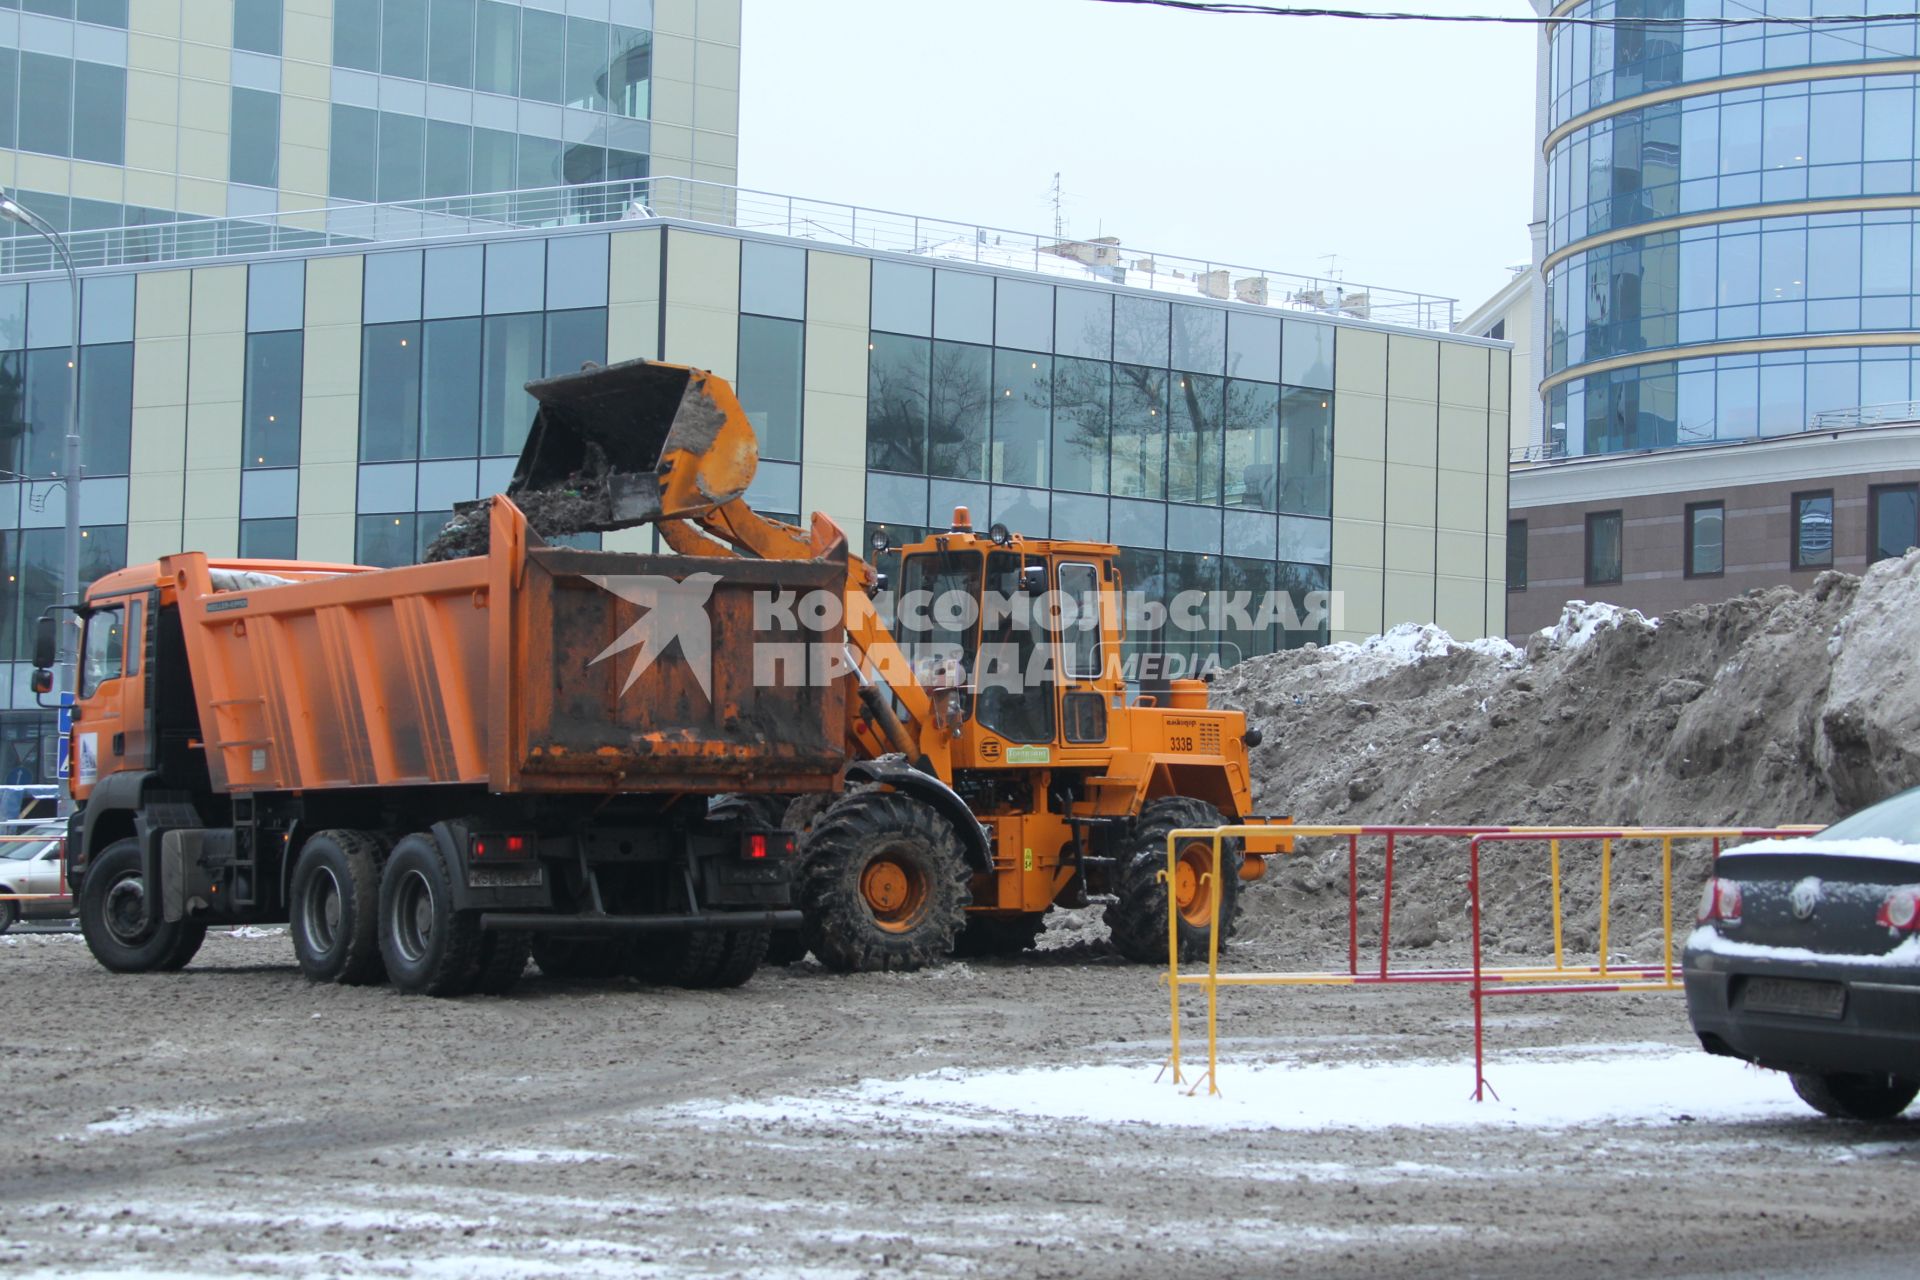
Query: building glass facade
pixel 1732 246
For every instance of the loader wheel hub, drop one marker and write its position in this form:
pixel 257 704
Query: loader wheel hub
pixel 1192 894
pixel 895 892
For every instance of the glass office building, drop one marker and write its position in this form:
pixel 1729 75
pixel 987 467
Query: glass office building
pixel 1730 241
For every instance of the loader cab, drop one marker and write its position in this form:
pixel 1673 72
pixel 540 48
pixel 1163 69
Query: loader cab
pixel 1017 641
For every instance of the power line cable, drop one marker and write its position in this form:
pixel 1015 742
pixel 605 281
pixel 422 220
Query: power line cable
pixel 1221 7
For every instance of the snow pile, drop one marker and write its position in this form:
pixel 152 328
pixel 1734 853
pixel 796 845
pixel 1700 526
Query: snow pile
pixel 1777 706
pixel 1581 620
pixel 1631 1085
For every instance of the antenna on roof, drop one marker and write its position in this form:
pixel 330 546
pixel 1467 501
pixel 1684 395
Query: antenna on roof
pixel 1059 216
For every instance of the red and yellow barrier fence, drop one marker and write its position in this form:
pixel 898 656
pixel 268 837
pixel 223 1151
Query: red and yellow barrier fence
pixel 1559 978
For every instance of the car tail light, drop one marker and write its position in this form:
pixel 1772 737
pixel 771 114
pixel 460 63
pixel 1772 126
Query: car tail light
pixel 1720 900
pixel 1901 911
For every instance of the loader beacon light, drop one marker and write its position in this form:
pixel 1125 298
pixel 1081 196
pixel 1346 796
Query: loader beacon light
pixel 962 521
pixel 1719 900
pixel 1901 911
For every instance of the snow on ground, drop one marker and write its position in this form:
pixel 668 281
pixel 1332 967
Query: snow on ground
pixel 1626 1085
pixel 1580 621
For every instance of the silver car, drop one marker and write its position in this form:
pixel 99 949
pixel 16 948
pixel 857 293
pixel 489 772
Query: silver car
pixel 30 863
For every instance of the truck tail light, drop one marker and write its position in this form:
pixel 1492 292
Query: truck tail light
pixel 759 846
pixel 1901 911
pixel 502 846
pixel 756 846
pixel 1720 900
pixel 516 844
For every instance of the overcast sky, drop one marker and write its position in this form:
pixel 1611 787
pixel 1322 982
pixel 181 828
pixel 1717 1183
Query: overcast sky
pixel 1402 148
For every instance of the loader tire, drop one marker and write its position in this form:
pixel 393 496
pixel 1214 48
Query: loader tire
pixel 1138 916
pixel 703 960
pixel 999 935
pixel 586 959
pixel 430 949
pixel 503 958
pixel 333 908
pixel 748 809
pixel 120 916
pixel 884 885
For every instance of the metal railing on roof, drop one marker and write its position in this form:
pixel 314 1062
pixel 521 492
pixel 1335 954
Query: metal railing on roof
pixel 1899 413
pixel 689 199
pixel 1867 415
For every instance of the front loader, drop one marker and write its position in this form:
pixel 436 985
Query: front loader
pixel 1000 766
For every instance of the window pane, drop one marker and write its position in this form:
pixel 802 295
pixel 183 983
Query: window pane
pixel 513 359
pixel 356 34
pixel 1603 549
pixel 387 541
pixel 586 63
pixel 403 38
pixel 898 371
pixel 9 96
pixel 1306 354
pixel 389 392
pixel 276 539
pixel 1244 587
pixel 450 43
pixel 47 398
pixel 630 75
pixel 543 52
pixel 1253 445
pixel 1307 587
pixel 1306 451
pixel 402 139
pixel 449 147
pixel 1896 521
pixel 493 160
pixel 1706 540
pixel 106 13
pixel 48 83
pixel 450 391
pixel 539 162
pixel 496 67
pixel 1516 555
pixel 1812 531
pixel 351 158
pixel 106 408
pixel 100 113
pixel 1139 431
pixel 1082 409
pixel 770 372
pixel 1193 438
pixel 253 150
pixel 581 164
pixel 1022 417
pixel 1140 331
pixel 576 339
pixel 272 413
pixel 959 411
pixel 256 25
pixel 1199 339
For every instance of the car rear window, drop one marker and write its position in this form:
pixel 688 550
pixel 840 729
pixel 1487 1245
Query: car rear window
pixel 1895 819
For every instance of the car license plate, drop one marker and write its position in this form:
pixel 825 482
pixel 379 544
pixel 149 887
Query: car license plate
pixel 528 877
pixel 1795 996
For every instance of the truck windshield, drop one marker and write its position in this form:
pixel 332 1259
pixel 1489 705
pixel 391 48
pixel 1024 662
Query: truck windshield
pixel 105 649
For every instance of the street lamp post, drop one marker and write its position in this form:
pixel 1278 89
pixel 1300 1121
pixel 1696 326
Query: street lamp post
pixel 14 211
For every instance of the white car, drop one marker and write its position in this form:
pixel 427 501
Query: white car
pixel 34 866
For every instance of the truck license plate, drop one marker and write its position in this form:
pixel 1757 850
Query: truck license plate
pixel 1796 996
pixel 505 877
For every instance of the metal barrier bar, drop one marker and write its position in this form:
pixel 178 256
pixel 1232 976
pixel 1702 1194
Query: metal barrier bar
pixel 1353 904
pixel 1559 953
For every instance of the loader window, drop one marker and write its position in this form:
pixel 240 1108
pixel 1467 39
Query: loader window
pixel 1016 691
pixel 104 650
pixel 1080 638
pixel 938 616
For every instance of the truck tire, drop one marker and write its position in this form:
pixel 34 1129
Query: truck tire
pixel 430 949
pixel 571 959
pixel 503 958
pixel 884 885
pixel 1138 917
pixel 1856 1097
pixel 123 934
pixel 703 960
pixel 999 935
pixel 333 908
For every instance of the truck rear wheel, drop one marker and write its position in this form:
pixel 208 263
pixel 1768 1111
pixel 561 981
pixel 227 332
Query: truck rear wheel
pixel 120 917
pixel 579 958
pixel 1138 918
pixel 430 949
pixel 503 958
pixel 333 908
pixel 703 960
pixel 885 886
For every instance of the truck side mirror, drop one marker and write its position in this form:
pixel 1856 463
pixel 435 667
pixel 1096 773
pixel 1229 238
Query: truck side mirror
pixel 1033 579
pixel 46 650
pixel 42 682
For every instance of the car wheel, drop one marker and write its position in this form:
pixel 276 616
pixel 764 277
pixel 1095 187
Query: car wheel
pixel 1856 1097
pixel 9 915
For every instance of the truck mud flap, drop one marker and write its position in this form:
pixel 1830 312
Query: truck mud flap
pixel 725 920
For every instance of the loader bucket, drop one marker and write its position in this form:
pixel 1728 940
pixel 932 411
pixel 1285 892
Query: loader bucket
pixel 640 441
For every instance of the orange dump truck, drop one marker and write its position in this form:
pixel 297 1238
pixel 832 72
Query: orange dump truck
pixel 430 772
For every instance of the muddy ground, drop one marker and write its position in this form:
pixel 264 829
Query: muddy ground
pixel 234 1119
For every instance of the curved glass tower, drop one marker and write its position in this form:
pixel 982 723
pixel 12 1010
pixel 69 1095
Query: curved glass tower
pixel 1730 241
